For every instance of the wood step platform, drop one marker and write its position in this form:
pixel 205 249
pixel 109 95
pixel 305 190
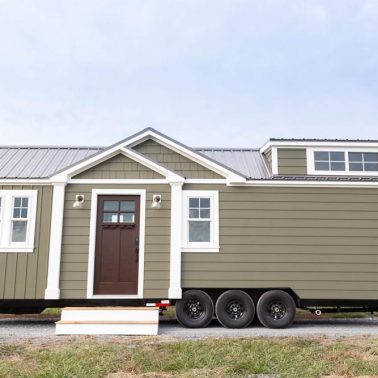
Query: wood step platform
pixel 108 321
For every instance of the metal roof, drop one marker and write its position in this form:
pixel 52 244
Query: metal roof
pixel 39 162
pixel 249 162
pixel 323 140
pixel 43 161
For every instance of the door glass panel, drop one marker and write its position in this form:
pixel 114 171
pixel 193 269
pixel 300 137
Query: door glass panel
pixel 199 231
pixel 127 205
pixel 111 205
pixel 110 218
pixel 127 218
pixel 19 231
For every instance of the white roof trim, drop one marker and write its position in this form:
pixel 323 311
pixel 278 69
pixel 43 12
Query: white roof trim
pixel 109 153
pixel 187 152
pixel 304 183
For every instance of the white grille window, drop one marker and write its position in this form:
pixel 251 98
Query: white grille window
pixel 200 221
pixel 17 220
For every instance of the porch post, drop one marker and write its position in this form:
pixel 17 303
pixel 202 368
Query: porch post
pixel 176 225
pixel 52 290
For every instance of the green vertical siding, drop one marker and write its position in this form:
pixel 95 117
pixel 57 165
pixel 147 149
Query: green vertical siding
pixel 119 167
pixel 175 161
pixel 321 242
pixel 292 161
pixel 75 248
pixel 24 275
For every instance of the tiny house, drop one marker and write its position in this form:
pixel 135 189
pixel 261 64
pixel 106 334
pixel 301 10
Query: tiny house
pixel 231 233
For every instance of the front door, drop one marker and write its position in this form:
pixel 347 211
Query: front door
pixel 117 245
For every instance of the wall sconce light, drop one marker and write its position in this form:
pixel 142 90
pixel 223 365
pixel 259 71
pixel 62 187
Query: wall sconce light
pixel 156 201
pixel 79 201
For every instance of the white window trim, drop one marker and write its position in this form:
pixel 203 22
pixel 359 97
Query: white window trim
pixel 6 244
pixel 213 245
pixel 92 241
pixel 311 161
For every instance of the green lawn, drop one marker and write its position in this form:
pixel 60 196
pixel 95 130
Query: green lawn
pixel 149 357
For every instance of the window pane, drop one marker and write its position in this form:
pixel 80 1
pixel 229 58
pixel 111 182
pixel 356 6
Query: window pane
pixel 19 231
pixel 371 156
pixel 16 213
pixel 110 218
pixel 111 205
pixel 24 212
pixel 17 202
pixel 337 156
pixel 199 231
pixel 25 202
pixel 321 155
pixel 193 213
pixel 127 205
pixel 205 213
pixel 321 166
pixel 355 156
pixel 194 203
pixel 337 166
pixel 356 167
pixel 205 203
pixel 127 218
pixel 371 167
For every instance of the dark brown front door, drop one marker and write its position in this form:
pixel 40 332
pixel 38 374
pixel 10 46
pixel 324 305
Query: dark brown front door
pixel 117 245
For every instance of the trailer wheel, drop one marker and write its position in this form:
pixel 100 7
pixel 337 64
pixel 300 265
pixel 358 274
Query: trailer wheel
pixel 276 309
pixel 235 309
pixel 195 309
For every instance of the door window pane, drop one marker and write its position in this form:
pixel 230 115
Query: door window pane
pixel 199 231
pixel 111 205
pixel 110 218
pixel 127 218
pixel 19 231
pixel 127 205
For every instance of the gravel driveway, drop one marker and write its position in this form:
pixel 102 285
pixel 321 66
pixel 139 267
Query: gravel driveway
pixel 43 330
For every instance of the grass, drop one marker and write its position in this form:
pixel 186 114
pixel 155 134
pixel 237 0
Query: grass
pixel 150 357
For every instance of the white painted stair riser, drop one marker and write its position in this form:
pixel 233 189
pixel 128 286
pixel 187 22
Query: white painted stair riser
pixel 110 315
pixel 107 329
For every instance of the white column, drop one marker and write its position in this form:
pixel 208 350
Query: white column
pixel 52 290
pixel 175 291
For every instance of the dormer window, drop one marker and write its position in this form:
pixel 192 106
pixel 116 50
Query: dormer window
pixel 363 161
pixel 329 161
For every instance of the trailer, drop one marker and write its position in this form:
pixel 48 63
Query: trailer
pixel 235 233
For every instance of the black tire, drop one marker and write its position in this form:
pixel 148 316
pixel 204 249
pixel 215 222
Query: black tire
pixel 235 309
pixel 195 309
pixel 276 309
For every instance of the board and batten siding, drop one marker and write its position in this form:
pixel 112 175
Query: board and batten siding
pixel 75 247
pixel 119 167
pixel 292 161
pixel 174 161
pixel 321 242
pixel 24 275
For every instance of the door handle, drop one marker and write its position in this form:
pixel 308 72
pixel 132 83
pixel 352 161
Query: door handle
pixel 137 249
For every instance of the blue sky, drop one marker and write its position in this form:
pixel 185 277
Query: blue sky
pixel 206 72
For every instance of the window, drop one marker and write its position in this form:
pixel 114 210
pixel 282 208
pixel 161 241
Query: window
pixel 200 221
pixel 363 161
pixel 329 160
pixel 17 220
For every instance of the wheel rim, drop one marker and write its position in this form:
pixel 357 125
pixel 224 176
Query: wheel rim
pixel 277 310
pixel 235 310
pixel 194 308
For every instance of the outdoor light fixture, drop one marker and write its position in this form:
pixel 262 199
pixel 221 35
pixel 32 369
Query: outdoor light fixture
pixel 156 201
pixel 79 201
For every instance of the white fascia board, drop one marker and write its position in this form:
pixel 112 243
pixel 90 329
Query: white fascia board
pixel 25 182
pixel 314 184
pixel 188 153
pixel 304 144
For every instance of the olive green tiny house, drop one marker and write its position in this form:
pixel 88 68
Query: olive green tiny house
pixel 217 232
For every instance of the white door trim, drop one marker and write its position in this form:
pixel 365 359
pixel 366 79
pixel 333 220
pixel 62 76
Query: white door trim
pixel 92 240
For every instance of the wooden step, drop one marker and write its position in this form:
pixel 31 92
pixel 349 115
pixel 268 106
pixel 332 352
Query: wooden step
pixel 103 322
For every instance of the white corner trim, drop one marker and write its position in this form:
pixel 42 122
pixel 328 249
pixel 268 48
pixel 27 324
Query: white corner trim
pixel 92 241
pixel 274 161
pixel 213 245
pixel 56 233
pixel 175 291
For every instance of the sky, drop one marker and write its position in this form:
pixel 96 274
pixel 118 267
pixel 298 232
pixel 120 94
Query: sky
pixel 210 73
